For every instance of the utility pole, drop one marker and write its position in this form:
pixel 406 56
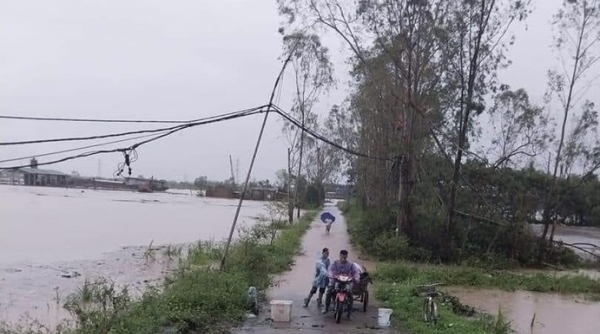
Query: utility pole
pixel 289 187
pixel 260 134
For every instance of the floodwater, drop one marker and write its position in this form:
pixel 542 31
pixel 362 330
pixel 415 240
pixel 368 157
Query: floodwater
pixel 554 313
pixel 46 231
pixel 583 237
pixel 295 284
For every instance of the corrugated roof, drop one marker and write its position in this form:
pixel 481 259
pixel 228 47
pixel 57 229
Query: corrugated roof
pixel 41 171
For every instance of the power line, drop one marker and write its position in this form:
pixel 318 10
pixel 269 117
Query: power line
pixel 75 149
pixel 94 120
pixel 201 121
pixel 169 131
pixel 322 138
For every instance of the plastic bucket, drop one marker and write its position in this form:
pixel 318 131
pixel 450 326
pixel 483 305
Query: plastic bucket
pixel 383 317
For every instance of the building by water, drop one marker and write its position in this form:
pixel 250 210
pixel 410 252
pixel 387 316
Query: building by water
pixel 34 176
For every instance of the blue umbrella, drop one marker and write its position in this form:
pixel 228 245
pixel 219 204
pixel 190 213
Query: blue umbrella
pixel 326 215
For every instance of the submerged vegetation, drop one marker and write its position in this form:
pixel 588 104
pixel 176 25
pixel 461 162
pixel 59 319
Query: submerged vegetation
pixel 198 298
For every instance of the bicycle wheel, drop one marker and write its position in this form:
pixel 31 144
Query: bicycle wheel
pixel 427 310
pixel 434 311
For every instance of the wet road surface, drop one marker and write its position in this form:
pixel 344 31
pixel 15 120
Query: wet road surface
pixel 295 285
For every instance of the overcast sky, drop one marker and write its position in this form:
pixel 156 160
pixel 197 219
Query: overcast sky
pixel 171 60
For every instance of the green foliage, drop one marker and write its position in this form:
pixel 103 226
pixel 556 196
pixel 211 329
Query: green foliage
pixel 498 235
pixel 485 278
pixel 315 195
pixel 408 308
pixel 374 232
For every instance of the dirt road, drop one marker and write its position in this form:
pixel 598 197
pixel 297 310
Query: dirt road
pixel 295 285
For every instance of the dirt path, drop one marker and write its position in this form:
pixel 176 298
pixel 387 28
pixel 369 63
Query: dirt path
pixel 295 284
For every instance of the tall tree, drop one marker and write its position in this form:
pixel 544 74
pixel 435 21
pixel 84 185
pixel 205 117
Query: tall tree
pixel 476 48
pixel 313 75
pixel 577 35
pixel 401 38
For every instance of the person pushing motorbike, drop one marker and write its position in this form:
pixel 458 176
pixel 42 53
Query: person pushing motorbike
pixel 320 281
pixel 339 267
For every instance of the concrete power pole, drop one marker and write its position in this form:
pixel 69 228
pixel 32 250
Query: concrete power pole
pixel 289 187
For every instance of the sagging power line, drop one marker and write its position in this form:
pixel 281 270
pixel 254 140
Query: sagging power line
pixel 202 121
pixel 164 132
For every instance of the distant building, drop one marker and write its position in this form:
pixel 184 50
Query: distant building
pixel 220 191
pixel 13 176
pixel 33 176
pixel 43 177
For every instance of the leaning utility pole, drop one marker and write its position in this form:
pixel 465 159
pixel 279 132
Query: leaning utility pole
pixel 262 128
pixel 289 187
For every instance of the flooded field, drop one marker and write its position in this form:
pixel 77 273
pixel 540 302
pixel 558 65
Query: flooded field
pixel 45 232
pixel 554 313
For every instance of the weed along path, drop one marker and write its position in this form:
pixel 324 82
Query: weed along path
pixel 294 285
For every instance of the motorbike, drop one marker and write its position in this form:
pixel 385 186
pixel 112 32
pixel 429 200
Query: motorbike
pixel 343 297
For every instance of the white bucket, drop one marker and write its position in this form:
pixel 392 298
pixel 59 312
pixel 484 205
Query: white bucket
pixel 383 317
pixel 281 310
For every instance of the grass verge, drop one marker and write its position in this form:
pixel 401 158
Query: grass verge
pixel 408 309
pixel 481 278
pixel 198 298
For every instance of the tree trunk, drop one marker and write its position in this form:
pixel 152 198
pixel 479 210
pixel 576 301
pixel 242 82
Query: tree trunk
pixel 289 189
pixel 552 194
pixel 299 167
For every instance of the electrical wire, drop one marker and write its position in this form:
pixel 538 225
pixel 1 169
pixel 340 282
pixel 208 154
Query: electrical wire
pixel 94 120
pixel 245 112
pixel 128 150
pixel 75 149
pixel 322 138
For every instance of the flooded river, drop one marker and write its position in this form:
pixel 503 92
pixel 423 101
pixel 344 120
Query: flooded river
pixel 46 231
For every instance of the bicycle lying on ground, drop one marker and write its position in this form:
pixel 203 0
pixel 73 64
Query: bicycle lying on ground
pixel 430 309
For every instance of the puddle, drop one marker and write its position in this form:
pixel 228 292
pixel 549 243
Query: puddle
pixel 554 313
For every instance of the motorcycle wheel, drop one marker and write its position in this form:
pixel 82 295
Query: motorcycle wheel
pixel 339 309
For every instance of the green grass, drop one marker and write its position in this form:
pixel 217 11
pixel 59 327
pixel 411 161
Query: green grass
pixel 408 309
pixel 481 278
pixel 198 298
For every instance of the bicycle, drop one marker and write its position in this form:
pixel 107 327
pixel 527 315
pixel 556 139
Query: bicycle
pixel 430 309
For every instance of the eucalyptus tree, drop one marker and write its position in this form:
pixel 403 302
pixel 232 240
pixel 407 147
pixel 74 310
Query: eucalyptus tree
pixel 313 76
pixel 476 50
pixel 577 38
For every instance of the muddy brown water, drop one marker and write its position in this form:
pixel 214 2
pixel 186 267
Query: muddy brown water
pixel 44 231
pixel 554 313
pixel 295 284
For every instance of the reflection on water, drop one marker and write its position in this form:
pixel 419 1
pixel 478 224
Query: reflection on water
pixel 97 233
pixel 554 313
